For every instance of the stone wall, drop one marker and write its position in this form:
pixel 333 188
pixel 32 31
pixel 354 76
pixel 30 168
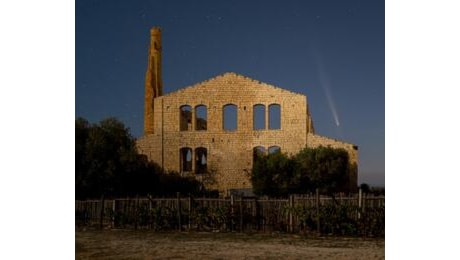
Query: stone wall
pixel 229 153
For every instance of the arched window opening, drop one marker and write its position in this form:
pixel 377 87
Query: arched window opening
pixel 274 149
pixel 230 117
pixel 274 116
pixel 259 117
pixel 186 159
pixel 258 152
pixel 201 115
pixel 185 118
pixel 201 160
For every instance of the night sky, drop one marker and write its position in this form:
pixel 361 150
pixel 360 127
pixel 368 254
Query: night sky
pixel 331 51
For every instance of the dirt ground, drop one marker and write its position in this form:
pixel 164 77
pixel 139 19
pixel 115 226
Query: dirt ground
pixel 130 244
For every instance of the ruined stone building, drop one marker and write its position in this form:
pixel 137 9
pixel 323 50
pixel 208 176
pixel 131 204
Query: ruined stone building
pixel 211 130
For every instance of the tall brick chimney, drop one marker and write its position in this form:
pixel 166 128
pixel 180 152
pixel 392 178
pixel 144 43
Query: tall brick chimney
pixel 153 82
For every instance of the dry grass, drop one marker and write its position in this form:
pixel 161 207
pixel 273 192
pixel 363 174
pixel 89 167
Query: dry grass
pixel 123 244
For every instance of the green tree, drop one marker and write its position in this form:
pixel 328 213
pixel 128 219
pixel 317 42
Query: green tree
pixel 108 163
pixel 324 168
pixel 272 174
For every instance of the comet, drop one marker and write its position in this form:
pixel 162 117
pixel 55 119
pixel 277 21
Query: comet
pixel 326 86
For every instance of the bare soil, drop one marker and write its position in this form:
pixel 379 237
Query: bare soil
pixel 131 244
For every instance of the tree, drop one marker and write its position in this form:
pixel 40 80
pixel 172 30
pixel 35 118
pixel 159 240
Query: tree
pixel 108 163
pixel 273 174
pixel 324 168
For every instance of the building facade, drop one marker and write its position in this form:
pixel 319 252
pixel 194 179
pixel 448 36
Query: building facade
pixel 211 130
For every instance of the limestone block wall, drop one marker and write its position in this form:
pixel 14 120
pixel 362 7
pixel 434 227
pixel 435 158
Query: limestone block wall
pixel 229 153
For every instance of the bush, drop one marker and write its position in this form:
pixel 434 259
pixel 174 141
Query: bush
pixel 323 168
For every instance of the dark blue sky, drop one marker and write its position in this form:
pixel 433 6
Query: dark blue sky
pixel 331 51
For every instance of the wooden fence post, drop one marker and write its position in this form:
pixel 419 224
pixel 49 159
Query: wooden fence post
pixel 241 214
pixel 258 218
pixel 113 213
pixel 291 208
pixel 363 201
pixel 136 210
pixel 318 229
pixel 189 212
pixel 86 217
pixel 232 212
pixel 101 220
pixel 360 198
pixel 179 212
pixel 150 212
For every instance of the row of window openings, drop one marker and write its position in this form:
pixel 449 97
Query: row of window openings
pixel 260 150
pixel 230 117
pixel 201 157
pixel 201 160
